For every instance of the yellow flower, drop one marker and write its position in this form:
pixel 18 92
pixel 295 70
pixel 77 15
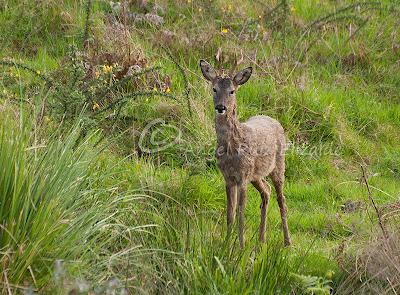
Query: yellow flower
pixel 200 9
pixel 229 7
pixel 107 69
pixel 38 72
pixel 46 119
pixel 329 274
pixel 95 106
pixel 168 90
pixel 224 30
pixel 292 8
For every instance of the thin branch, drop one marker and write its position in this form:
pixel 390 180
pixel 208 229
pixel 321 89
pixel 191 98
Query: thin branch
pixel 12 63
pixel 364 176
pixel 124 80
pixel 87 22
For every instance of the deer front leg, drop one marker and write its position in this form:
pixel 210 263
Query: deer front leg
pixel 230 206
pixel 242 203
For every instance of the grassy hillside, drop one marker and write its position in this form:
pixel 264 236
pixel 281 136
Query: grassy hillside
pixel 108 181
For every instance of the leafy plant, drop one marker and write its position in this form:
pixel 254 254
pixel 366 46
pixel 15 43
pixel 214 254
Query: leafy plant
pixel 312 285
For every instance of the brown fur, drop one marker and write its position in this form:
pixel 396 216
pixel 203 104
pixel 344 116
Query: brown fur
pixel 247 152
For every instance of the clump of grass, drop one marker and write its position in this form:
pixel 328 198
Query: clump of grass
pixel 54 205
pixel 374 267
pixel 42 188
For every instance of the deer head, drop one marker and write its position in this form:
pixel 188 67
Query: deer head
pixel 224 87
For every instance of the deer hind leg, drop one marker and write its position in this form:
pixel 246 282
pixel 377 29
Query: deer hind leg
pixel 230 206
pixel 241 206
pixel 265 191
pixel 278 179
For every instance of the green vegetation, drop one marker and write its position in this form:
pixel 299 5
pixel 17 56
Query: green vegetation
pixel 108 181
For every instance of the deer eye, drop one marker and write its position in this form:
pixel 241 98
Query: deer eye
pixel 232 92
pixel 215 90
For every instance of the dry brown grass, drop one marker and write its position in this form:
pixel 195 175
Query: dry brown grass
pixel 375 267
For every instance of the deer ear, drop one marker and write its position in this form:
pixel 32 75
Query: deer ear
pixel 208 71
pixel 242 77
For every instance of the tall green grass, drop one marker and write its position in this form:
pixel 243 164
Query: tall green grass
pixel 56 204
pixel 45 207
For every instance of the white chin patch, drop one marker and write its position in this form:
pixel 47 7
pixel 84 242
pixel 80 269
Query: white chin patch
pixel 220 112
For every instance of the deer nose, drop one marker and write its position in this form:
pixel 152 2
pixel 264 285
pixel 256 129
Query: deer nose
pixel 220 109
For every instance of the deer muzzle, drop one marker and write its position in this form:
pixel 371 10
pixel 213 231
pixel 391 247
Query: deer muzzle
pixel 220 109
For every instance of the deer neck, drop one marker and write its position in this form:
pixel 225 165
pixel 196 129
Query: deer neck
pixel 228 131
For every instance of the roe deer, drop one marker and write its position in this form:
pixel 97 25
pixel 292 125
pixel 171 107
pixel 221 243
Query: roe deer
pixel 246 152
